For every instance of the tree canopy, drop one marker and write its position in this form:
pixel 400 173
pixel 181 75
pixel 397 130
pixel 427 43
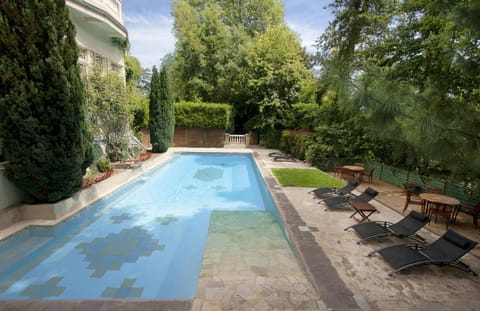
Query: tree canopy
pixel 412 68
pixel 238 52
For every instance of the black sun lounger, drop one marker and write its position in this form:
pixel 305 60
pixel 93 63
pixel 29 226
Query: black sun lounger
pixel 326 192
pixel 343 201
pixel 285 157
pixel 405 228
pixel 445 251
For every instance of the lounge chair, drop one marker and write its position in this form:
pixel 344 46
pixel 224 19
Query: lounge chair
pixel 343 201
pixel 327 192
pixel 445 251
pixel 285 157
pixel 276 154
pixel 405 228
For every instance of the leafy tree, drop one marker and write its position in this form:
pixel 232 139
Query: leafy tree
pixel 133 69
pixel 162 119
pixel 107 111
pixel 214 40
pixel 43 127
pixel 136 101
pixel 274 75
pixel 415 78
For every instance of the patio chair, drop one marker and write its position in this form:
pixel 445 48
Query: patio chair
pixel 326 192
pixel 405 228
pixel 469 210
pixel 368 173
pixel 343 201
pixel 445 251
pixel 411 197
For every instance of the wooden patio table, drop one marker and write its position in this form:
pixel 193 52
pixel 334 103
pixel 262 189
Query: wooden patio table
pixel 435 203
pixel 356 170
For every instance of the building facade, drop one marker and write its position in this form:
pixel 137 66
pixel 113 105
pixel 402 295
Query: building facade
pixel 101 35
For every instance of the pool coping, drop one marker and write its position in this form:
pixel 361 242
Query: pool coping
pixel 318 268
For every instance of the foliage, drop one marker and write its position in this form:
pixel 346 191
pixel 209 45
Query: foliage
pixel 413 73
pixel 202 115
pixel 120 43
pixel 136 101
pixel 42 124
pixel 303 116
pixel 162 118
pixel 133 69
pixel 239 52
pixel 312 178
pixel 274 75
pixel 107 111
pixel 103 164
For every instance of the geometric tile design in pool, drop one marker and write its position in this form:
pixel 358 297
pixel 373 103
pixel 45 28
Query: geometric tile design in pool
pixel 126 290
pixel 218 188
pixel 209 174
pixel 190 187
pixel 41 291
pixel 112 251
pixel 166 220
pixel 118 219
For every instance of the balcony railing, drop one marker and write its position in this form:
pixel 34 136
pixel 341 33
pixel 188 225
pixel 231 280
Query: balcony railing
pixel 112 7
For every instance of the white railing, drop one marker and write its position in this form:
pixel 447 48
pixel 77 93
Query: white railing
pixel 236 139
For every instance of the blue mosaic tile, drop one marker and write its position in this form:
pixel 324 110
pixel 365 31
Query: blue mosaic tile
pixel 208 174
pixel 118 219
pixel 112 251
pixel 166 220
pixel 219 188
pixel 41 291
pixel 126 290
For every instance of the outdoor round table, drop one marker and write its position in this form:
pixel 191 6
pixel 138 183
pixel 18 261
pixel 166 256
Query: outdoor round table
pixel 356 170
pixel 433 202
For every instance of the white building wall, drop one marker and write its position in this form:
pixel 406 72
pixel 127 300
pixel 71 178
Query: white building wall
pixel 106 49
pixel 9 194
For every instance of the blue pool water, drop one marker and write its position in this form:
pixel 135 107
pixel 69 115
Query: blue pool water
pixel 145 241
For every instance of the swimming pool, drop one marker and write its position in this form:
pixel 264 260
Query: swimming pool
pixel 145 241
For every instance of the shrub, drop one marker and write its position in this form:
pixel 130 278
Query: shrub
pixel 202 115
pixel 103 164
pixel 162 118
pixel 42 120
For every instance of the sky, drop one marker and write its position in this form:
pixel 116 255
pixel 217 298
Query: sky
pixel 149 25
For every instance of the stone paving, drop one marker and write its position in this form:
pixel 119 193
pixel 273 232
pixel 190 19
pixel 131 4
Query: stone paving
pixel 249 265
pixel 419 288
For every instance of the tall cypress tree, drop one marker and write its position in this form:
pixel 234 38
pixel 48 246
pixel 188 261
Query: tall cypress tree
pixel 162 118
pixel 45 137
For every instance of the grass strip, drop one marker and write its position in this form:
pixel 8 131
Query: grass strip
pixel 309 178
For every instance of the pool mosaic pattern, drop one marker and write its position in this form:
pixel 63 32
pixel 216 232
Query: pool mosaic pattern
pixel 145 241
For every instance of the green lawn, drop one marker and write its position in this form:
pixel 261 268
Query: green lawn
pixel 296 177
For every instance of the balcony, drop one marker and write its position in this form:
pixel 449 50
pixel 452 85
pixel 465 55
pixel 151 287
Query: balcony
pixel 100 17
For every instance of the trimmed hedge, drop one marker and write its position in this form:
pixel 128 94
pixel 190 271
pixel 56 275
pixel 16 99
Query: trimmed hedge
pixel 202 115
